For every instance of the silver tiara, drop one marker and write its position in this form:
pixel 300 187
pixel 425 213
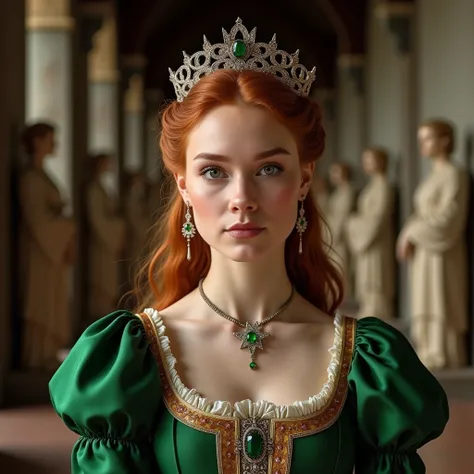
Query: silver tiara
pixel 242 54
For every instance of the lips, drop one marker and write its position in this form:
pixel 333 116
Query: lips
pixel 245 230
pixel 244 226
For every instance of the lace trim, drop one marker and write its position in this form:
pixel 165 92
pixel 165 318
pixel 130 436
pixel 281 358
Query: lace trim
pixel 245 409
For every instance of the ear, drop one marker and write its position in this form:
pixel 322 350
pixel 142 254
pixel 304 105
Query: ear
pixel 181 184
pixel 307 171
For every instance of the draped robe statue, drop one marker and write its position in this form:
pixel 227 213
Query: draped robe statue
pixel 138 218
pixel 370 238
pixel 106 245
pixel 339 207
pixel 46 243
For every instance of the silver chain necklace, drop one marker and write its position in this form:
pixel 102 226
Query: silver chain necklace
pixel 251 336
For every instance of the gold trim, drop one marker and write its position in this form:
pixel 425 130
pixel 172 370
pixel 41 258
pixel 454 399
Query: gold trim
pixel 227 428
pixel 285 431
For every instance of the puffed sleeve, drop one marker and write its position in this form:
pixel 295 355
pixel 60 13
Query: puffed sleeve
pixel 108 392
pixel 399 404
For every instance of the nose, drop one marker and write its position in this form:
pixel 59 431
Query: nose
pixel 243 197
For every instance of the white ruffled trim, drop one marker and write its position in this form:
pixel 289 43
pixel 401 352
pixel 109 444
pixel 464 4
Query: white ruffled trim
pixel 245 409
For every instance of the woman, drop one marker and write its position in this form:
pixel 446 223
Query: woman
pixel 46 255
pixel 340 206
pixel 169 390
pixel 433 241
pixel 106 240
pixel 370 237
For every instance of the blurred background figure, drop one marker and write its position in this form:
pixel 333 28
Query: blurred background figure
pixel 339 206
pixel 433 241
pixel 107 233
pixel 370 237
pixel 47 251
pixel 138 217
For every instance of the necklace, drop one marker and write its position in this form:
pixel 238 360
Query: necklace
pixel 251 336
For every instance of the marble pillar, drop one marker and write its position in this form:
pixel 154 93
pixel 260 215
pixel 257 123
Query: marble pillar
pixel 49 41
pixel 12 116
pixel 351 110
pixel 103 78
pixel 134 113
pixel 397 17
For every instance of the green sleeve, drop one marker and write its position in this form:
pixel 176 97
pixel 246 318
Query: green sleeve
pixel 399 404
pixel 108 392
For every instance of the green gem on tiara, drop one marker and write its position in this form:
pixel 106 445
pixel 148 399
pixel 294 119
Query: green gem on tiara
pixel 239 49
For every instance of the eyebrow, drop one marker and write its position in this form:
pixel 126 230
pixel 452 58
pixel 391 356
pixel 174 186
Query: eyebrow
pixel 260 156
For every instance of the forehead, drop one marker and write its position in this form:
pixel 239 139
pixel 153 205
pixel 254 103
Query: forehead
pixel 239 129
pixel 426 132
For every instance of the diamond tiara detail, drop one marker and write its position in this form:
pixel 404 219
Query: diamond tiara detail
pixel 242 53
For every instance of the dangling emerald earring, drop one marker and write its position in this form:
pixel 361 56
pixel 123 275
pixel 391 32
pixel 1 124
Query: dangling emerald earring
pixel 188 230
pixel 301 226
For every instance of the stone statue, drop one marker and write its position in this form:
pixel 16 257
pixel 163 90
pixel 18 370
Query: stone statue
pixel 370 238
pixel 106 240
pixel 138 218
pixel 320 193
pixel 433 242
pixel 339 206
pixel 47 243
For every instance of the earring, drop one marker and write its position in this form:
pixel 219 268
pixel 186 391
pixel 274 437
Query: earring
pixel 301 225
pixel 188 230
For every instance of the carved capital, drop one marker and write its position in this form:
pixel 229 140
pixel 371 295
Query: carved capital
pixel 103 55
pixel 354 66
pixel 49 15
pixel 134 97
pixel 397 18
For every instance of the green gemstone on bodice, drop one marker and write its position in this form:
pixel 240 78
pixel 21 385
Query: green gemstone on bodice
pixel 254 445
pixel 239 49
pixel 252 338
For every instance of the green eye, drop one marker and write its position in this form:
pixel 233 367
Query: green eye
pixel 270 170
pixel 212 173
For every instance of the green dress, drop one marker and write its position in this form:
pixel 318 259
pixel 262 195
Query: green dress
pixel 119 392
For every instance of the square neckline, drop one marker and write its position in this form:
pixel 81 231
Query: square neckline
pixel 245 409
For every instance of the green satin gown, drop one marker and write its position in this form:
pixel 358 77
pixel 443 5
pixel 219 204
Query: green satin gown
pixel 116 392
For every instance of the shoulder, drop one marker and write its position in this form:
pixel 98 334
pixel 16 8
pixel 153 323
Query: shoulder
pixel 111 361
pixel 395 396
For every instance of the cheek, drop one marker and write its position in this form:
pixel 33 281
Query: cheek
pixel 283 200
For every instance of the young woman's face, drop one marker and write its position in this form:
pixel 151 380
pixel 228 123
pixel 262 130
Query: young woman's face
pixel 430 143
pixel 243 169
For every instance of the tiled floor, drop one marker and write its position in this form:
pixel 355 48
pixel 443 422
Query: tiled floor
pixel 34 441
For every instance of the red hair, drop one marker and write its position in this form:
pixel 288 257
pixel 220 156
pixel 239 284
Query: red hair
pixel 167 275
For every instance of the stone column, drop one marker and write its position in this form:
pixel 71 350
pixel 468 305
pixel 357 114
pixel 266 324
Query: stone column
pixel 49 36
pixel 351 110
pixel 104 78
pixel 397 17
pixel 134 113
pixel 12 116
pixel 90 21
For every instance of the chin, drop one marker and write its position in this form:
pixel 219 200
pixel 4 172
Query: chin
pixel 249 253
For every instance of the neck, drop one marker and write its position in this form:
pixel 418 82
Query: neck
pixel 248 291
pixel 441 158
pixel 37 160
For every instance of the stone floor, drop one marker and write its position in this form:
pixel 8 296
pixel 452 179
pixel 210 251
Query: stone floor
pixel 34 441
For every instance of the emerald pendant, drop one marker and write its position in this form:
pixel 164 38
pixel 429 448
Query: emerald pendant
pixel 252 338
pixel 253 365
